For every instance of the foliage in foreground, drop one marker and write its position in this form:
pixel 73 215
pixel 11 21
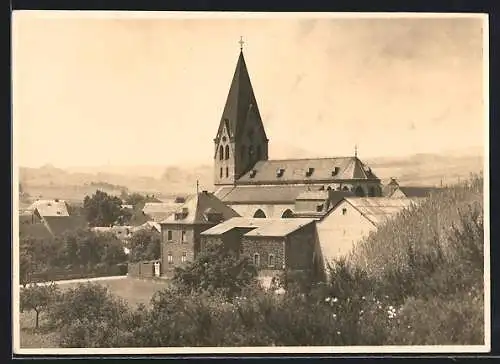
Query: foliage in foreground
pixel 430 293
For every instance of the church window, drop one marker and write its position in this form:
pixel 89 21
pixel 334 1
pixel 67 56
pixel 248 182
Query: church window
pixel 227 172
pixel 259 214
pixel 287 214
pixel 258 152
pixel 220 172
pixel 221 152
pixel 256 259
pixel 227 151
pixel 271 260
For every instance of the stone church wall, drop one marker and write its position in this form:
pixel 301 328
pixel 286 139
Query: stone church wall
pixel 271 211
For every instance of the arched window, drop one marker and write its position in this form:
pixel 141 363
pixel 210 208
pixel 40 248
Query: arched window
pixel 359 192
pixel 258 152
pixel 256 259
pixel 227 151
pixel 221 152
pixel 227 172
pixel 329 188
pixel 243 152
pixel 287 214
pixel 259 214
pixel 220 172
pixel 271 260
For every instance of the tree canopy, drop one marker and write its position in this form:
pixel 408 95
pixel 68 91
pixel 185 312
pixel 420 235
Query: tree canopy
pixel 102 209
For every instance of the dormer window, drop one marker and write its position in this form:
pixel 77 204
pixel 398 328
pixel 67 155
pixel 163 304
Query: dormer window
pixel 319 207
pixel 253 172
pixel 280 172
pixel 335 171
pixel 309 172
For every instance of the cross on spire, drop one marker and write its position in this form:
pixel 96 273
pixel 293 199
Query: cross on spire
pixel 241 43
pixel 356 150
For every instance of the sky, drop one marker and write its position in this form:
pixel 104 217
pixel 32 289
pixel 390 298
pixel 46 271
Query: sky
pixel 124 90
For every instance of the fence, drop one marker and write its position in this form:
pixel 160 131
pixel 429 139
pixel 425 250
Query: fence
pixel 144 269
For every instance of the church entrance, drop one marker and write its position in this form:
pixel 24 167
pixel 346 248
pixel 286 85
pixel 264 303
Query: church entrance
pixel 259 214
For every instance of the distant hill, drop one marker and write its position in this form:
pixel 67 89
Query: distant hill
pixel 166 181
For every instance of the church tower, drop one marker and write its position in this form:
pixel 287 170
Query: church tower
pixel 241 140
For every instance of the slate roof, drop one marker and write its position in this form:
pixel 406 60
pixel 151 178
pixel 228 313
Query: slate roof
pixel 38 230
pixel 379 209
pixel 196 208
pixel 295 171
pixel 260 194
pixel 240 101
pixel 62 224
pixel 159 211
pixel 49 208
pixel 307 202
pixel 148 225
pixel 260 227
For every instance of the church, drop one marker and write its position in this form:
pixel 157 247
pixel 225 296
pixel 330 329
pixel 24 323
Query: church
pixel 254 185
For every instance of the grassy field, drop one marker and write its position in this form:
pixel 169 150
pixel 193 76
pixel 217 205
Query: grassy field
pixel 134 291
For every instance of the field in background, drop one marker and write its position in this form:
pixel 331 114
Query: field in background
pixel 73 185
pixel 134 291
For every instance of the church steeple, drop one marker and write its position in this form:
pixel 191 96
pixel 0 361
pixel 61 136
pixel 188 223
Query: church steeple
pixel 241 140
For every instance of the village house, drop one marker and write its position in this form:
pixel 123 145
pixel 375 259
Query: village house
pixel 45 219
pixel 352 220
pixel 180 231
pixel 51 226
pixel 273 245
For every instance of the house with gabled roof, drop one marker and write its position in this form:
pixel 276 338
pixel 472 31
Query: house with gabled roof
pixel 273 245
pixel 255 185
pixel 180 231
pixel 353 219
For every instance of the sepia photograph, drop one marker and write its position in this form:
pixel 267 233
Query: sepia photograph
pixel 208 183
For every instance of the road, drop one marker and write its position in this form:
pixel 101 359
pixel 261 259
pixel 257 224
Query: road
pixel 82 280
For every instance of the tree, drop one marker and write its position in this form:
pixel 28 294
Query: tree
pixel 145 245
pixel 90 316
pixel 217 270
pixel 113 252
pixel 102 209
pixel 38 298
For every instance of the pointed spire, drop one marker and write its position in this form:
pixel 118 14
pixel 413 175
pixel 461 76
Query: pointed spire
pixel 240 100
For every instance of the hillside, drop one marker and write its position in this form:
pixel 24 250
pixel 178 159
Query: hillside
pixel 165 181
